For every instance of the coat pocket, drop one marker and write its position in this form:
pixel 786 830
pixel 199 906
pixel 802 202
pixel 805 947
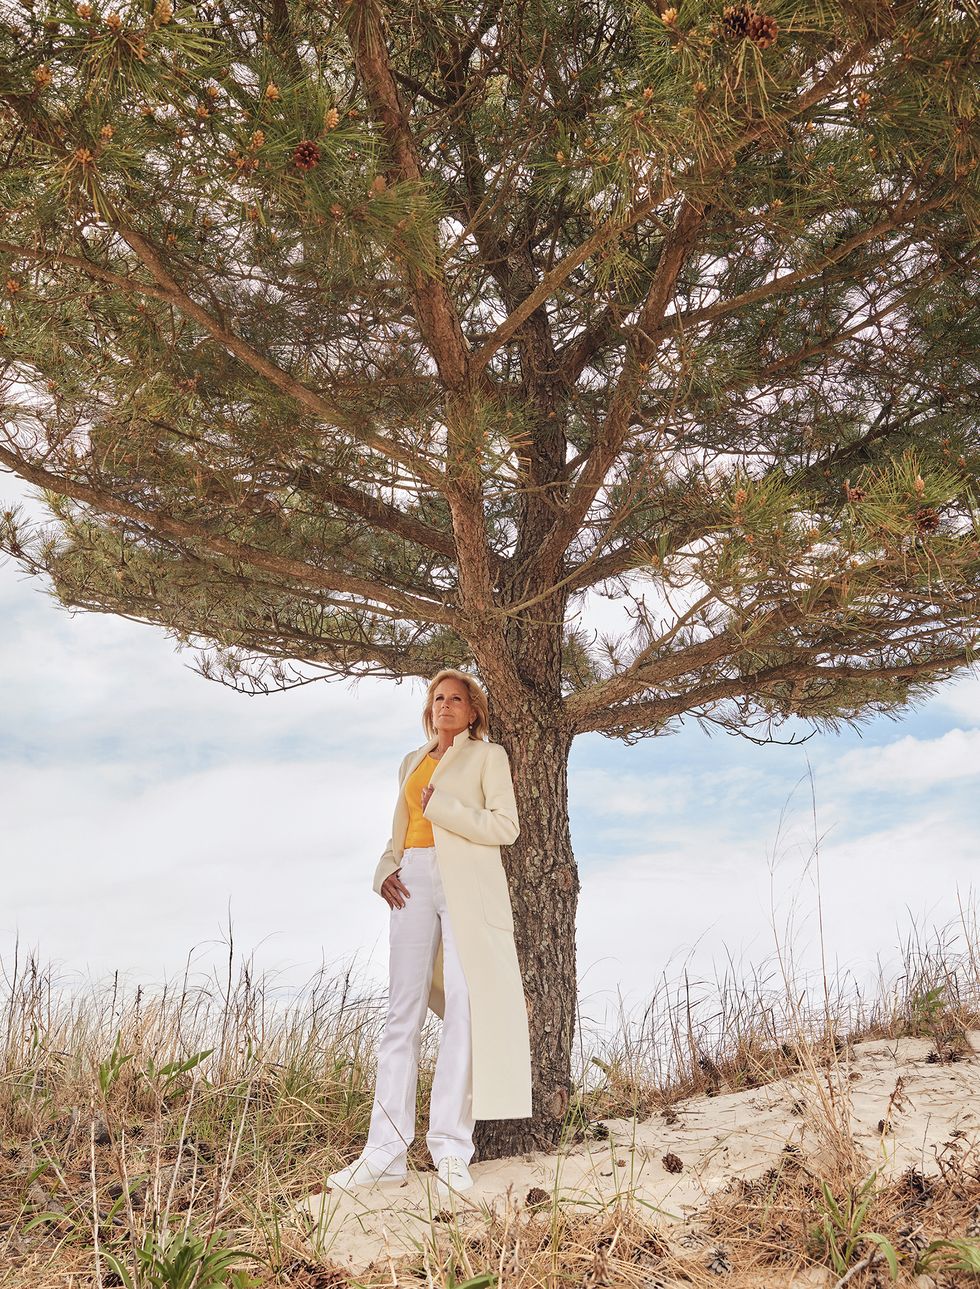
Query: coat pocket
pixel 495 895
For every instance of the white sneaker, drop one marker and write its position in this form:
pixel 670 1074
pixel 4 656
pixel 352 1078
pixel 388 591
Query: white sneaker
pixel 362 1172
pixel 452 1176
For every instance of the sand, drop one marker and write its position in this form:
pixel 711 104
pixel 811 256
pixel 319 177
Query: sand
pixel 936 1110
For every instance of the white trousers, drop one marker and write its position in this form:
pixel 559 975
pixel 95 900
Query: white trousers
pixel 413 937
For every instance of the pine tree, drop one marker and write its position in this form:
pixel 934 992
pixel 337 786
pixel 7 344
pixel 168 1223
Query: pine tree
pixel 354 338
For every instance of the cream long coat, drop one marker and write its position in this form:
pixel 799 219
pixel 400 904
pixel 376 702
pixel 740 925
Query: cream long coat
pixel 473 813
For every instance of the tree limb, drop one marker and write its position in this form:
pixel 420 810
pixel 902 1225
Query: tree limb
pixel 282 566
pixel 641 715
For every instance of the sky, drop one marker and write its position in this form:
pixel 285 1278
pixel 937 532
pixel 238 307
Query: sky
pixel 147 814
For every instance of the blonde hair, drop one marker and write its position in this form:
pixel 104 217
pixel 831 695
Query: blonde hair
pixel 477 695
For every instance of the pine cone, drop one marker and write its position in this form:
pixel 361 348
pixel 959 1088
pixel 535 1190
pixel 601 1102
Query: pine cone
pixel 762 29
pixel 719 1263
pixel 927 519
pixel 735 20
pixel 306 155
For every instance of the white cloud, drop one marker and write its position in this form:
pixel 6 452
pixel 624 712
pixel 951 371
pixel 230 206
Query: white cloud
pixel 117 873
pixel 605 793
pixel 909 764
pixel 960 698
pixel 617 794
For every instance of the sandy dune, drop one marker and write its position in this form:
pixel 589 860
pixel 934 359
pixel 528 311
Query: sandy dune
pixel 935 1109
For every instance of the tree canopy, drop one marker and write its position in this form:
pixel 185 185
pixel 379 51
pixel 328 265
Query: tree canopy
pixel 358 338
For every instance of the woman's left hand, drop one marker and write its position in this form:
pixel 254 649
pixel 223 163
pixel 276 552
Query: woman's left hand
pixel 427 792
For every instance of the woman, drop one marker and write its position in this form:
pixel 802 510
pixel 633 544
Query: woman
pixel 451 946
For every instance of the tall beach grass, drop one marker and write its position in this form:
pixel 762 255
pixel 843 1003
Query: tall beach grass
pixel 161 1139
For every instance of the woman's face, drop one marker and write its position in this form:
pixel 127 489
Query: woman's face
pixel 452 710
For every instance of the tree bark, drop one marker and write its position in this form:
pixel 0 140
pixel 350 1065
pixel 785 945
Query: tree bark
pixel 544 888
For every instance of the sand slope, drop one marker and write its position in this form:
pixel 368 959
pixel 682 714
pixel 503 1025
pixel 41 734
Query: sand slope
pixel 931 1108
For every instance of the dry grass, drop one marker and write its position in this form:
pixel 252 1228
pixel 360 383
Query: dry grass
pixel 211 1108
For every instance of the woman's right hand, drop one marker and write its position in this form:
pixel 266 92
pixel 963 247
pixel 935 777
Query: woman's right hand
pixel 394 890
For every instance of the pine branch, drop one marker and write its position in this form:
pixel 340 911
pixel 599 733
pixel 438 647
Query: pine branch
pixel 435 610
pixel 434 310
pixel 606 447
pixel 660 192
pixel 904 214
pixel 172 293
pixel 635 717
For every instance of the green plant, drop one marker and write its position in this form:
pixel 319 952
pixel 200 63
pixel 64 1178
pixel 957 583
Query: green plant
pixel 109 1069
pixel 968 1258
pixel 924 1010
pixel 173 1069
pixel 184 1260
pixel 481 1281
pixel 67 1222
pixel 838 1233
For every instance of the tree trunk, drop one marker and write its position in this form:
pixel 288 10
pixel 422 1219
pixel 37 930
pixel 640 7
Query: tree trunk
pixel 544 890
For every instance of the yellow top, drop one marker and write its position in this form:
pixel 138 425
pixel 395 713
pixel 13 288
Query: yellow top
pixel 419 831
